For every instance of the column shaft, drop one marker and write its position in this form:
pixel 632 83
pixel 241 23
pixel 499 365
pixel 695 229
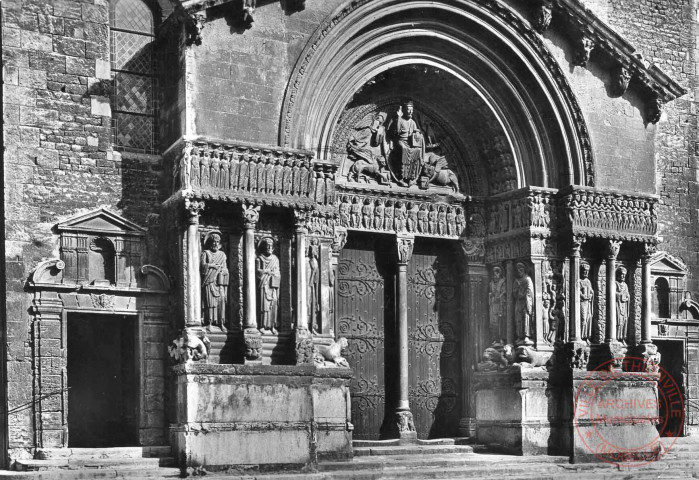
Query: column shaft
pixel 302 288
pixel 403 402
pixel 647 293
pixel 610 331
pixel 574 315
pixel 250 282
pixel 193 260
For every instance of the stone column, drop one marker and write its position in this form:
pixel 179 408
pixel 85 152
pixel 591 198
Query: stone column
pixel 251 335
pixel 574 332
pixel 326 286
pixel 303 337
pixel 510 330
pixel 403 416
pixel 193 314
pixel 645 357
pixel 338 243
pixel 610 330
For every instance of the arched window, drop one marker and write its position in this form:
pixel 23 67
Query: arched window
pixel 133 70
pixel 661 301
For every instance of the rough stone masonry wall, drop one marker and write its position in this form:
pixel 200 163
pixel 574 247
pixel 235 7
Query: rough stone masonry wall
pixel 58 162
pixel 666 32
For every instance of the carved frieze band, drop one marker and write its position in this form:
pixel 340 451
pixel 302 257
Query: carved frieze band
pixel 277 176
pixel 527 209
pixel 426 218
pixel 613 215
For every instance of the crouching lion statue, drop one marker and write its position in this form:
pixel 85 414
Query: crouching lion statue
pixel 188 347
pixel 331 355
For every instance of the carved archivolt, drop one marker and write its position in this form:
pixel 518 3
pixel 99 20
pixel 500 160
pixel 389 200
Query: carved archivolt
pixel 349 21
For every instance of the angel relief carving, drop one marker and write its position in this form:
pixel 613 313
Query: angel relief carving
pixel 395 150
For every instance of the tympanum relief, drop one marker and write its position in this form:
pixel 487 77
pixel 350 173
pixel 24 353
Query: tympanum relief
pixel 398 148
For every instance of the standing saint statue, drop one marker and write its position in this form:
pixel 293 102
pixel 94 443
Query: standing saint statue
pixel 214 282
pixel 587 293
pixel 408 146
pixel 523 293
pixel 497 298
pixel 622 304
pixel 268 280
pixel 312 284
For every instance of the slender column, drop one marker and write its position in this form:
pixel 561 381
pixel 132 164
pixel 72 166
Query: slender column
pixel 325 266
pixel 193 313
pixel 574 312
pixel 251 215
pixel 251 335
pixel 404 417
pixel 647 294
pixel 510 330
pixel 612 252
pixel 537 320
pixel 301 281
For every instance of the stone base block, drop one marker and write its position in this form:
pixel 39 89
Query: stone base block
pixel 521 411
pixel 261 415
pixel 615 416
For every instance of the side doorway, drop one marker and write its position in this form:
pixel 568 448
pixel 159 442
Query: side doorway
pixel 672 361
pixel 102 380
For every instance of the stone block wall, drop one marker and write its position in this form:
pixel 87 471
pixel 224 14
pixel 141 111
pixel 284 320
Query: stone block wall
pixel 57 161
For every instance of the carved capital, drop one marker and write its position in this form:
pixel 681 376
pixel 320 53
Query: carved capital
pixel 194 24
pixel 251 215
pixel 404 248
pixel 649 249
pixel 543 12
pixel 583 48
pixel 620 80
pixel 301 218
pixel 472 249
pixel 654 109
pixel 576 245
pixel 193 209
pixel 339 240
pixel 613 247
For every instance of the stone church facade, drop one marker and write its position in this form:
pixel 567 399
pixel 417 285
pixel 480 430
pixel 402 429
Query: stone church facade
pixel 257 230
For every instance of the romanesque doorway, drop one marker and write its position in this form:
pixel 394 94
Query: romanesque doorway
pixel 434 330
pixel 102 380
pixel 365 302
pixel 671 363
pixel 366 317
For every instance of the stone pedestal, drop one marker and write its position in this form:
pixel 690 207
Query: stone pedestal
pixel 523 411
pixel 615 416
pixel 240 415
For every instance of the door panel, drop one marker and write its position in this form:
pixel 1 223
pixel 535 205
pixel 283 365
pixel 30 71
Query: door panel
pixel 434 332
pixel 360 319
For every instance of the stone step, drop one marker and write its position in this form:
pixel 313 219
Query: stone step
pixel 411 450
pixel 112 452
pixel 93 463
pixel 91 473
pixel 395 442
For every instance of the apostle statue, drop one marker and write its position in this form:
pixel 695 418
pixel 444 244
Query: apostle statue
pixel 214 282
pixel 268 280
pixel 622 304
pixel 586 295
pixel 497 297
pixel 408 146
pixel 557 322
pixel 523 293
pixel 312 284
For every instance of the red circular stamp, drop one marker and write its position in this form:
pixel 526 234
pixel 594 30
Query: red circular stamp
pixel 628 418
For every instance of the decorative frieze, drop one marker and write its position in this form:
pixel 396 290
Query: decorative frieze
pixel 233 172
pixel 532 209
pixel 424 218
pixel 614 215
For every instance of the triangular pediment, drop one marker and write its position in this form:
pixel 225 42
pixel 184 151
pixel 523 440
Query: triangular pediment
pixel 665 264
pixel 101 221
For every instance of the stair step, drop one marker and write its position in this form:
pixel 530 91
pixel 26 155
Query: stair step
pixel 93 463
pixel 112 452
pixel 411 450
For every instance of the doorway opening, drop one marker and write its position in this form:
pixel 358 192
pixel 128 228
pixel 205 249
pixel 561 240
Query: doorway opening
pixel 102 380
pixel 672 365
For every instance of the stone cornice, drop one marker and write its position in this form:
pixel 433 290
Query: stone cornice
pixel 586 24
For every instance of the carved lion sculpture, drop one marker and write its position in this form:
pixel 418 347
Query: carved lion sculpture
pixel 496 358
pixel 189 347
pixel 436 170
pixel 333 353
pixel 529 356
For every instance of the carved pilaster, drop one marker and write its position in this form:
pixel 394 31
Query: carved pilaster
pixel 647 288
pixel 620 80
pixel 574 330
pixel 542 13
pixel 583 48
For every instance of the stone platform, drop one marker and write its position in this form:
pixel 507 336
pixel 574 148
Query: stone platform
pixel 260 415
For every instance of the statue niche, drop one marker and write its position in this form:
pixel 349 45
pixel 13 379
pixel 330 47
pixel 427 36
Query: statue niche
pixel 397 151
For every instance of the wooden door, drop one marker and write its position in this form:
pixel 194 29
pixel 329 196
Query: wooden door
pixel 361 292
pixel 434 333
